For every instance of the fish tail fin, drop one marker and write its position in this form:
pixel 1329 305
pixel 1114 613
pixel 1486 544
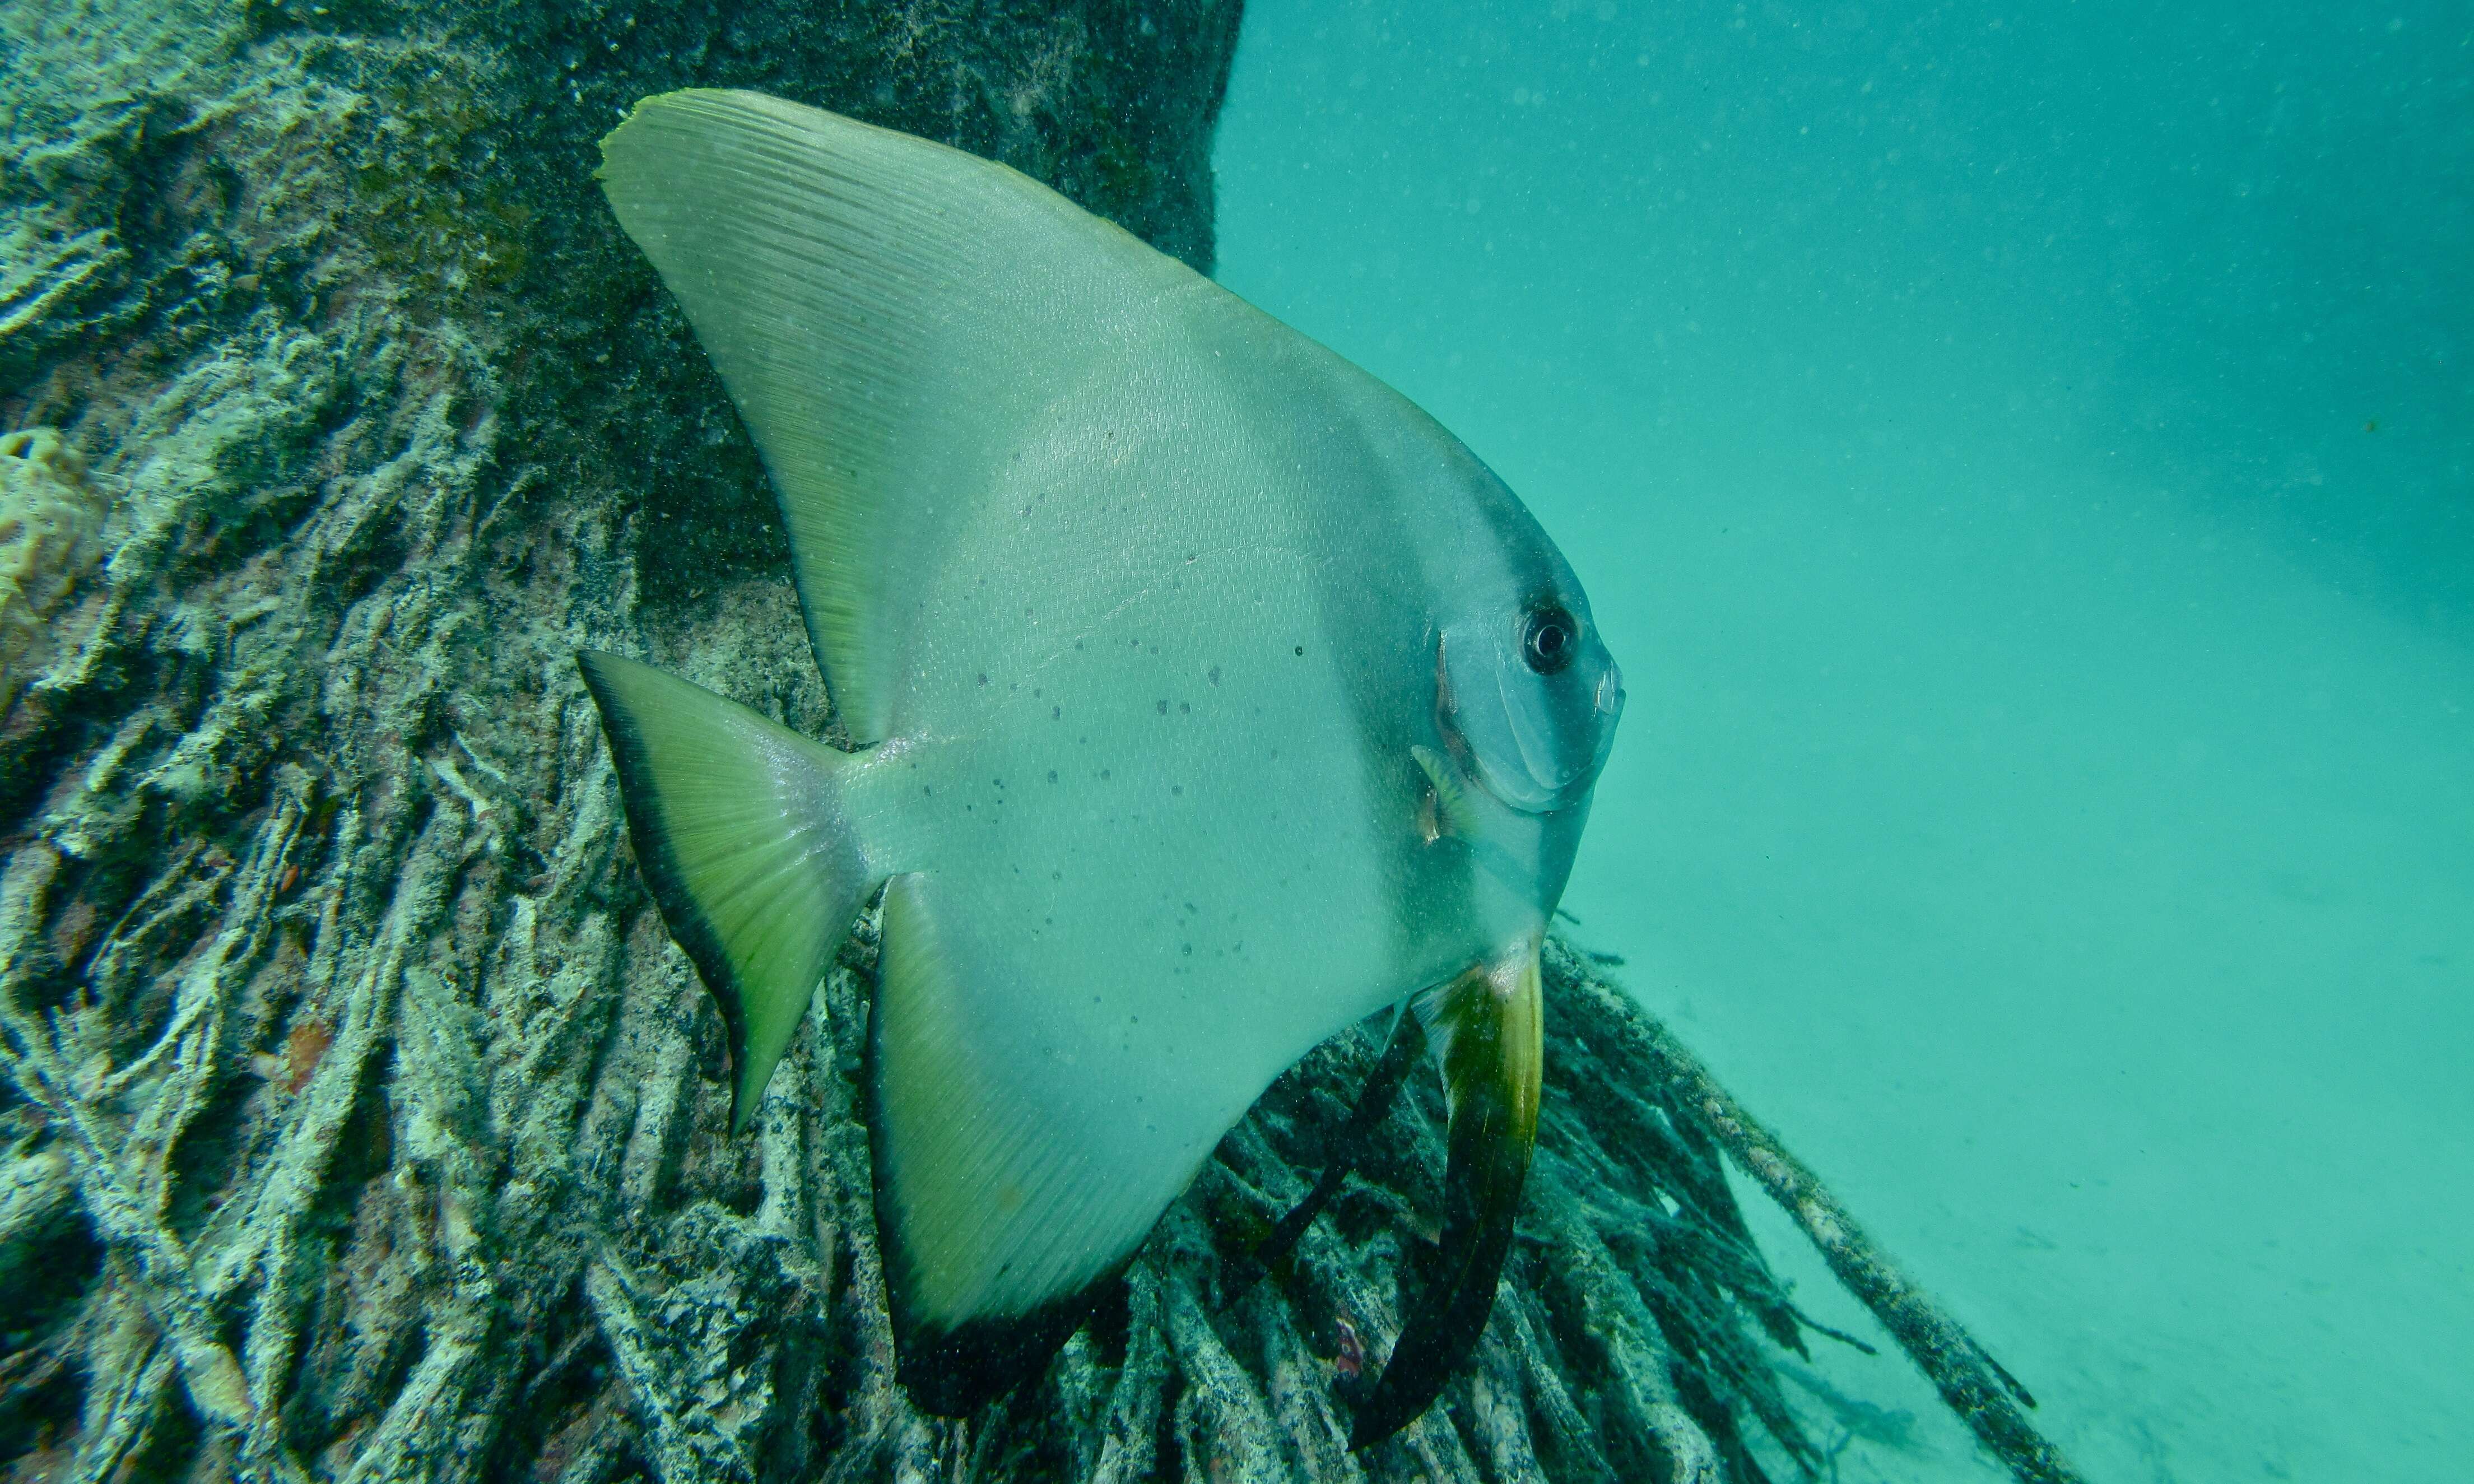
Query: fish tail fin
pixel 739 829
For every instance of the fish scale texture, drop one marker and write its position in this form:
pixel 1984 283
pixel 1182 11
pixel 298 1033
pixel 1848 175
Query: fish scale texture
pixel 359 1119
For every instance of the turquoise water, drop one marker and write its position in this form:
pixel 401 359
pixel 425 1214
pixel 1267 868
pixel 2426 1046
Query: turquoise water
pixel 2024 462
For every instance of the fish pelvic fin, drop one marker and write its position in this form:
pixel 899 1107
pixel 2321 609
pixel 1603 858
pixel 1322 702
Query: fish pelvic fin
pixel 1487 1031
pixel 739 830
pixel 885 312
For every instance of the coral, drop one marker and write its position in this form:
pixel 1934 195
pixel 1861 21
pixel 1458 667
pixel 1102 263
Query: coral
pixel 51 522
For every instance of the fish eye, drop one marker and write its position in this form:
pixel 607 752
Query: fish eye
pixel 1549 638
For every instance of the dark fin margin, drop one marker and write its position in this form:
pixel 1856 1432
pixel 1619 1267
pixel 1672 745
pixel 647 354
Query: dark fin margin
pixel 953 1373
pixel 641 796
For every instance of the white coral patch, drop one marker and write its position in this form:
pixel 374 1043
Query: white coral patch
pixel 51 519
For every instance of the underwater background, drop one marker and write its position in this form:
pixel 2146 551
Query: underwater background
pixel 2024 458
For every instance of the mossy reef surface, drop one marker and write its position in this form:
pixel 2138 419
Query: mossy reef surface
pixel 359 1119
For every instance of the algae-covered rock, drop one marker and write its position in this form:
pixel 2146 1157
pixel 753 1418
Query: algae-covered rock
pixel 51 525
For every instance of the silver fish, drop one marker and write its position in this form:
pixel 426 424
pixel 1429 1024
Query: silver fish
pixel 1205 697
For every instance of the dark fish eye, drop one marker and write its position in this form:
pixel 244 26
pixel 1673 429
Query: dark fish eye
pixel 1550 637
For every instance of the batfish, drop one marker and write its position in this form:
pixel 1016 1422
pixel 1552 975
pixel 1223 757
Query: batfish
pixel 1204 697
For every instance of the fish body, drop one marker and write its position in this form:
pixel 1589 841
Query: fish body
pixel 1210 697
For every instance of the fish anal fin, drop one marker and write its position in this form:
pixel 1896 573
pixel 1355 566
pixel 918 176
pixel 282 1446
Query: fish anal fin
pixel 1010 1184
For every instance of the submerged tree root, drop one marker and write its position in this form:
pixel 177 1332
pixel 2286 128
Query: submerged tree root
pixel 358 1120
pixel 680 1337
pixel 1987 1397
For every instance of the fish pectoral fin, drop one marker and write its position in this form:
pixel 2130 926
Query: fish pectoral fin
pixel 1486 1029
pixel 739 830
pixel 1018 1165
pixel 1448 811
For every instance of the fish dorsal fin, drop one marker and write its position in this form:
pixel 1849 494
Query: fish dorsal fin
pixel 739 829
pixel 885 312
